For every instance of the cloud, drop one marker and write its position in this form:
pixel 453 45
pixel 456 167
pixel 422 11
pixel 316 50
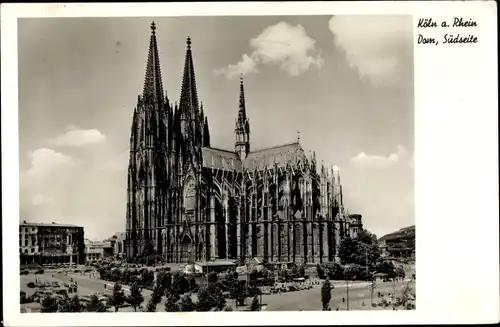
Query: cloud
pixel 380 48
pixel 46 162
pixel 75 137
pixel 245 66
pixel 79 189
pixel 281 44
pixel 380 161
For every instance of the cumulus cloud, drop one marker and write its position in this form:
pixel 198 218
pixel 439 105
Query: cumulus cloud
pixel 380 161
pixel 281 44
pixel 87 188
pixel 75 137
pixel 45 163
pixel 380 48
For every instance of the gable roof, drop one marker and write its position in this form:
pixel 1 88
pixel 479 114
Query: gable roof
pixel 220 159
pixel 281 155
pixel 260 159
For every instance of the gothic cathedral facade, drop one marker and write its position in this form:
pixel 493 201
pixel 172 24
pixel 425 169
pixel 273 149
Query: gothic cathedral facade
pixel 189 201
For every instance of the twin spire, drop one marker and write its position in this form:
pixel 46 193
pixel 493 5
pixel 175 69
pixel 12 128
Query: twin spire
pixel 189 94
pixel 153 86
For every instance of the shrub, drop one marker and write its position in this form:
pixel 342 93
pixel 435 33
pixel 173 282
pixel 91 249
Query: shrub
pixel 254 306
pixel 31 285
pixel 192 284
pixel 22 295
pixel 180 285
pixel 118 297
pixel 326 294
pixel 170 303
pixel 49 304
pixel 186 304
pixel 212 277
pixel 94 305
pixel 320 271
pixel 135 298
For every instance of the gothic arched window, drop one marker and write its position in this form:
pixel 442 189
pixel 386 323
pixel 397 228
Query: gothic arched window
pixel 189 194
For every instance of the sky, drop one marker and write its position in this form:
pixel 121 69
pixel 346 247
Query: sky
pixel 344 82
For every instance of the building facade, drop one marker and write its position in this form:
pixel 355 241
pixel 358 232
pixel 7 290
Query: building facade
pixel 118 243
pixel 355 224
pixel 95 251
pixel 190 201
pixel 50 243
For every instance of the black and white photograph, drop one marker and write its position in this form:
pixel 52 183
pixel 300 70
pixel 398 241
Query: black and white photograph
pixel 242 164
pixel 190 160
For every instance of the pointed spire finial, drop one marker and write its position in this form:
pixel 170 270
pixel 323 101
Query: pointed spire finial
pixel 153 85
pixel 298 136
pixel 188 42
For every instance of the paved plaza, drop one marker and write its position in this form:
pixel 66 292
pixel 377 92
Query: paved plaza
pixel 305 300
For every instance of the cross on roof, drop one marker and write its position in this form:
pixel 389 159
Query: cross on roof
pixel 153 26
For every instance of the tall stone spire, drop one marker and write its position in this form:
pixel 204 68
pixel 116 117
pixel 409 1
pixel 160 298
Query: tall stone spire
pixel 242 128
pixel 153 86
pixel 189 96
pixel 242 109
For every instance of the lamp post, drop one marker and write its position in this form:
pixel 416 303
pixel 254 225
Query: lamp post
pixel 347 290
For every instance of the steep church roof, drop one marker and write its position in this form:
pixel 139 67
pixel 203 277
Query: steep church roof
pixel 280 155
pixel 221 159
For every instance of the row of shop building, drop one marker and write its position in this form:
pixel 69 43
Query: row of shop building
pixel 54 243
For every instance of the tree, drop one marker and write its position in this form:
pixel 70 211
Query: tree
pixel 71 305
pixel 366 237
pixel 23 297
pixel 171 302
pixel 302 271
pixel 158 292
pixel 254 306
pixel 164 279
pixel 135 298
pixel 362 250
pixel 237 292
pixel 186 304
pixel 192 284
pixel 349 251
pixel 95 305
pixel 117 298
pixel 151 306
pixel 180 285
pixel 148 249
pixel 212 277
pixel 49 304
pixel 388 268
pixel 326 294
pixel 210 297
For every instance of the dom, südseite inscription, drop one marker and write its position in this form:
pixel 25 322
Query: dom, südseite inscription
pixel 454 37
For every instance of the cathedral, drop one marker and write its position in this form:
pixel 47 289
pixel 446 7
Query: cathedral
pixel 190 201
